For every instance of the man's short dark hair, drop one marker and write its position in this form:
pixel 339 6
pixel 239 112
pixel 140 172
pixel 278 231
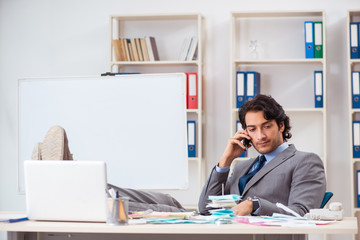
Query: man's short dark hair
pixel 271 109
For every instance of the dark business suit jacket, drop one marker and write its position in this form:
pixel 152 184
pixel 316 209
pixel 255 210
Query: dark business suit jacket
pixel 293 178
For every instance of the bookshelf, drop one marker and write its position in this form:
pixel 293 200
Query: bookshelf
pixel 170 32
pixel 282 65
pixel 354 115
pixel 285 72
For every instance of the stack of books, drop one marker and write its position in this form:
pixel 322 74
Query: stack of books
pixel 189 49
pixel 135 49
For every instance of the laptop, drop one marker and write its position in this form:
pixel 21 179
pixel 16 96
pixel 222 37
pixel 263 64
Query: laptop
pixel 65 190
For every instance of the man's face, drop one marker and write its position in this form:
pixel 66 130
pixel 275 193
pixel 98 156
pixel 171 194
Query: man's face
pixel 265 135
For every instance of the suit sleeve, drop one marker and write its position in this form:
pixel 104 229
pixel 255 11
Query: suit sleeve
pixel 308 187
pixel 213 186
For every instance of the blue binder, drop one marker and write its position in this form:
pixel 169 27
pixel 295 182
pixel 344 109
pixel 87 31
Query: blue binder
pixel 240 88
pixel 356 139
pixel 358 188
pixel 309 39
pixel 318 87
pixel 191 133
pixel 354 40
pixel 355 82
pixel 238 127
pixel 252 85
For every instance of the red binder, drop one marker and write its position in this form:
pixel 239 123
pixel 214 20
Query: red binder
pixel 192 93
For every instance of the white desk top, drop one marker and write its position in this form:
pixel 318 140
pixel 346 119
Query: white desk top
pixel 346 226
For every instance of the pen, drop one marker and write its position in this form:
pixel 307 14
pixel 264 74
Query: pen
pixel 18 219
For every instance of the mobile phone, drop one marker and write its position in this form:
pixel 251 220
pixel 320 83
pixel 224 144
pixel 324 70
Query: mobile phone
pixel 246 142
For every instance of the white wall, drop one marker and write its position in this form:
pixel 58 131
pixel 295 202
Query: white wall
pixel 43 38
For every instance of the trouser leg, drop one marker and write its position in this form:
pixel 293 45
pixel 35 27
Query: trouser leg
pixel 141 200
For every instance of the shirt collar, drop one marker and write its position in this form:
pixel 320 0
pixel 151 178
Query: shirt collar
pixel 279 149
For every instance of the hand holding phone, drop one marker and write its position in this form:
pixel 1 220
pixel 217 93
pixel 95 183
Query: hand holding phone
pixel 246 142
pixel 234 149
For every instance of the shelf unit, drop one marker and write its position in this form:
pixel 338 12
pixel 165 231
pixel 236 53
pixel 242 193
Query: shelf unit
pixel 169 32
pixel 354 114
pixel 285 73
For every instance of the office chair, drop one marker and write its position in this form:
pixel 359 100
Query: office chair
pixel 326 198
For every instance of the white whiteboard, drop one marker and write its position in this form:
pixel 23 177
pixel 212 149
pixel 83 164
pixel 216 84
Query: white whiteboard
pixel 135 123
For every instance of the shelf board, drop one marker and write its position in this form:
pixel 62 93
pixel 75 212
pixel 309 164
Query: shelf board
pixel 161 17
pixel 304 110
pixel 278 14
pixel 353 110
pixel 353 61
pixel 195 159
pixel 355 160
pixel 155 63
pixel 193 111
pixel 279 61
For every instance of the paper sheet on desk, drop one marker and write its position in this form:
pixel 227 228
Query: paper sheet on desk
pixel 175 220
pixel 280 220
pixel 199 219
pixel 154 214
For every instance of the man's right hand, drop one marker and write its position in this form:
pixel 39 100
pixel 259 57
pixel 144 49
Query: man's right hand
pixel 234 148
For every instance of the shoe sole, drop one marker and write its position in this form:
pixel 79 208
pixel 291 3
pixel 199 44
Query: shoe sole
pixel 53 145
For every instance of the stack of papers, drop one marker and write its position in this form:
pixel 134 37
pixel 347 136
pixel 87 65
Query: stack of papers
pixel 222 213
pixel 221 216
pixel 217 217
pixel 224 201
pixel 153 217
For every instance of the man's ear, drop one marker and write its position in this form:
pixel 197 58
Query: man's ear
pixel 282 127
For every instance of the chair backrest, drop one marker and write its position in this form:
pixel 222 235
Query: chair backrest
pixel 326 198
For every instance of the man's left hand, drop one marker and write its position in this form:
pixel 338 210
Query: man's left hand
pixel 243 208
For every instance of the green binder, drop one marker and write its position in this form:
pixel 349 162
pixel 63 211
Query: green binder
pixel 318 40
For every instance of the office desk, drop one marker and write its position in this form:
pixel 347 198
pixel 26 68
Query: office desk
pixel 157 231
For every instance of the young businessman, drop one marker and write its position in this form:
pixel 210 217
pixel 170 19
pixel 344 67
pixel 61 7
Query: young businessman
pixel 293 178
